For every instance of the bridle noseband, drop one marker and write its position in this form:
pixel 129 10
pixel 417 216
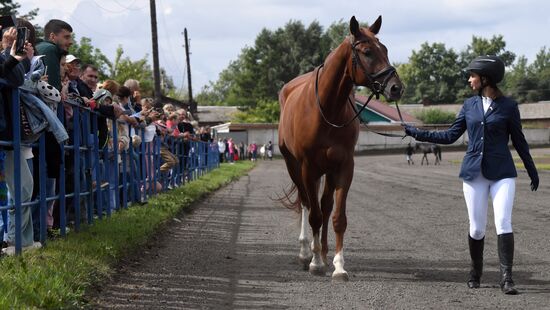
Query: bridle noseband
pixel 375 86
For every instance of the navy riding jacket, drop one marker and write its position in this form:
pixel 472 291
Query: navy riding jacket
pixel 488 135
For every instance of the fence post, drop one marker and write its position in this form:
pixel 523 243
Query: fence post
pixel 16 120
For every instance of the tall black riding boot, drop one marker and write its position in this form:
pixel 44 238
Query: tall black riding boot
pixel 476 254
pixel 506 256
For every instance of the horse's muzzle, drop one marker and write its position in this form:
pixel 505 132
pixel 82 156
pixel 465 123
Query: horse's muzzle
pixel 394 90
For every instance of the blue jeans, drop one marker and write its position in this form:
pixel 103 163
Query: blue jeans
pixel 27 234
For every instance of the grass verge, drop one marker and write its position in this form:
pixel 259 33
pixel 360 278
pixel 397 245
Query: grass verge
pixel 541 162
pixel 57 276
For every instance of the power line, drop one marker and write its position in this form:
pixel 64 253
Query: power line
pixel 167 39
pixel 130 8
pixel 101 33
pixel 124 8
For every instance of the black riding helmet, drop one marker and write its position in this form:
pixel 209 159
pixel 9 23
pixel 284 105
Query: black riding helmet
pixel 489 66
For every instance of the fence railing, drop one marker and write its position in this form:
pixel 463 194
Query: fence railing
pixel 94 181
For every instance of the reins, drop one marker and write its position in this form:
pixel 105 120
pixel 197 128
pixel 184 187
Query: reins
pixel 376 87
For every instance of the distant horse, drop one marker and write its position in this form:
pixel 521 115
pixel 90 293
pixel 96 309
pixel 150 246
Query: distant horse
pixel 427 148
pixel 318 132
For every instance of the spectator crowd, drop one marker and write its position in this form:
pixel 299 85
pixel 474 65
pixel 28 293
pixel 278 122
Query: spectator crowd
pixel 98 137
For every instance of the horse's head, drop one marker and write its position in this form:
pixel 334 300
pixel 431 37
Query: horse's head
pixel 371 57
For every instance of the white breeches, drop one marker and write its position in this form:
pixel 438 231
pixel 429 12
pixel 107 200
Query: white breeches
pixel 476 194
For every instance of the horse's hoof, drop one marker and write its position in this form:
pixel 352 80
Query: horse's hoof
pixel 317 270
pixel 304 261
pixel 340 277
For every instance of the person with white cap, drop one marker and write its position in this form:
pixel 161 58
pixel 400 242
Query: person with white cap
pixel 73 73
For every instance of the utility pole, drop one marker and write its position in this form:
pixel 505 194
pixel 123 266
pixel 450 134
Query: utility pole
pixel 192 103
pixel 156 71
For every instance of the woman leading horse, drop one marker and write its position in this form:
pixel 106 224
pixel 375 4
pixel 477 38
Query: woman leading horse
pixel 318 131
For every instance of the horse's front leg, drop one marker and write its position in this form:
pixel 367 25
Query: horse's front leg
pixel 311 185
pixel 305 247
pixel 340 223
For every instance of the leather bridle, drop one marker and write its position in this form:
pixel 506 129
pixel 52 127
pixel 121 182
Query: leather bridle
pixel 375 86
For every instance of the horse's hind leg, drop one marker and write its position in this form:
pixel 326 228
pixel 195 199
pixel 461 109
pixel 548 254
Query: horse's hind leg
pixel 311 185
pixel 327 202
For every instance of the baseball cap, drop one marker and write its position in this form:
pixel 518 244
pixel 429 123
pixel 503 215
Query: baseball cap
pixel 71 58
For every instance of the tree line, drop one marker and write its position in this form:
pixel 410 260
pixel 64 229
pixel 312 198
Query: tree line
pixel 119 69
pixel 434 74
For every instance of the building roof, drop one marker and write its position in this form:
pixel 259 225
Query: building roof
pixel 385 110
pixel 215 114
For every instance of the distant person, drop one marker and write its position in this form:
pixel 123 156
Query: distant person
pixel 488 167
pixel 409 152
pixel 269 150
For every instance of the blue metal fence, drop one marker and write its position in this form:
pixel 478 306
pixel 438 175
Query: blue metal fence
pixel 97 174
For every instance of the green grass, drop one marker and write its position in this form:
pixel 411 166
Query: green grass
pixel 57 276
pixel 519 165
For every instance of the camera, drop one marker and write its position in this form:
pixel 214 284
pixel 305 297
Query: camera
pixel 22 36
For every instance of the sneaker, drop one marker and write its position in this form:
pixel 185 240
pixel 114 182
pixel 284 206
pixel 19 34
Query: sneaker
pixel 10 250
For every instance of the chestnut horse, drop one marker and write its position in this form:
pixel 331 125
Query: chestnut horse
pixel 318 133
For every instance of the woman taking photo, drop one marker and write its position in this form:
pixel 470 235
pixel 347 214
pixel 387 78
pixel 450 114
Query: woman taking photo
pixel 491 119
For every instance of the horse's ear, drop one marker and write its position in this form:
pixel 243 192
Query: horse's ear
pixel 374 28
pixel 354 27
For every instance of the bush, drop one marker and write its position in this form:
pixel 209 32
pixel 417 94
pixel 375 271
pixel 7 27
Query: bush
pixel 435 116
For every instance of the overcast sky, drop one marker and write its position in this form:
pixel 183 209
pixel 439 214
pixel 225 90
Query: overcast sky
pixel 219 29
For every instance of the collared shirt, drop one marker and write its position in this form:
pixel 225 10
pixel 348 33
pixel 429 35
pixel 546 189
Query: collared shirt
pixel 486 103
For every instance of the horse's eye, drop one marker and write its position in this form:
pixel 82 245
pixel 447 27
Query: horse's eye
pixel 367 52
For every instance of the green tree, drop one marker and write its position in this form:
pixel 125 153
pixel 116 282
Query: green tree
pixel 276 58
pixel 540 72
pixel 9 7
pixel 266 111
pixel 89 54
pixel 481 46
pixel 123 69
pixel 432 74
pixel 435 116
pixel 518 82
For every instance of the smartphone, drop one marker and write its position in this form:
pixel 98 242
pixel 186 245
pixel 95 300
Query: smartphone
pixel 7 21
pixel 22 35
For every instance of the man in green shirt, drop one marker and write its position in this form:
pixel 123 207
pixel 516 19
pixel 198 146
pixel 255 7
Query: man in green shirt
pixel 57 40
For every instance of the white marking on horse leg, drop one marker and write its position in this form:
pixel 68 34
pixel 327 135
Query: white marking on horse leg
pixel 305 250
pixel 317 266
pixel 339 273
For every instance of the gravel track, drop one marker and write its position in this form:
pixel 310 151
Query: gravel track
pixel 405 247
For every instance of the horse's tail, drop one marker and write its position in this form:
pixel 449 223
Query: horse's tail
pixel 289 202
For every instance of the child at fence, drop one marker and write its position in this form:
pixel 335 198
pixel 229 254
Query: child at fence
pixel 149 115
pixel 104 97
pixel 168 158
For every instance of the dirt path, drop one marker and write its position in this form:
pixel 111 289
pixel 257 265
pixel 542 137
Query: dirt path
pixel 405 248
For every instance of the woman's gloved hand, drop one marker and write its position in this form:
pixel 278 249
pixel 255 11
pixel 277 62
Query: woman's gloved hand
pixel 534 182
pixel 411 131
